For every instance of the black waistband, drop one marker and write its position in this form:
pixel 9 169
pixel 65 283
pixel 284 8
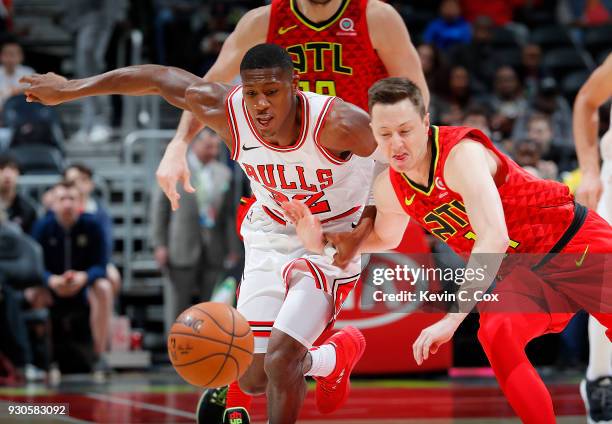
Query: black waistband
pixel 580 214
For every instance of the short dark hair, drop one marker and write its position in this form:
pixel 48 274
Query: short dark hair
pixel 266 56
pixel 66 184
pixel 83 169
pixel 393 90
pixel 8 161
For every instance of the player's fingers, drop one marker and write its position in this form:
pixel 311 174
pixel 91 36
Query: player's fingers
pixel 426 346
pixel 31 98
pixel 187 182
pixel 28 79
pixel 416 349
pixel 434 348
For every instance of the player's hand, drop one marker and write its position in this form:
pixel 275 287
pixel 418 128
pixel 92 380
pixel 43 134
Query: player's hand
pixel 307 226
pixel 44 88
pixel 346 245
pixel 172 169
pixel 589 191
pixel 431 338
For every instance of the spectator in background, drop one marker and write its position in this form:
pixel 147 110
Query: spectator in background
pixel 455 99
pixel 530 70
pixel 584 12
pixel 19 209
pixel 549 102
pixel 82 177
pixel 434 67
pixel 193 242
pixel 92 23
pixel 479 57
pixel 11 69
pixel 450 28
pixel 528 155
pixel 75 259
pixel 539 129
pixel 477 117
pixel 507 102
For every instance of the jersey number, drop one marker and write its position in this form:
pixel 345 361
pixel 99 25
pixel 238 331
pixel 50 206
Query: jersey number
pixel 313 201
pixel 327 88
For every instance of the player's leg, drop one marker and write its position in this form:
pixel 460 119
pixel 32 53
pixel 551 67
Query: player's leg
pixel 503 337
pixel 304 315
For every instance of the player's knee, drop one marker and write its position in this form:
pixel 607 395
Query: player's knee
pixel 103 289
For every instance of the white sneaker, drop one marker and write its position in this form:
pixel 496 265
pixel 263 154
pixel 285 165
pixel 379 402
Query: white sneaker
pixel 32 373
pixel 100 134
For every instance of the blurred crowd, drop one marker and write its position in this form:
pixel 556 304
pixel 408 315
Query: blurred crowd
pixel 510 68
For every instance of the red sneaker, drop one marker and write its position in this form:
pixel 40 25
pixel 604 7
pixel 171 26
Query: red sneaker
pixel 332 391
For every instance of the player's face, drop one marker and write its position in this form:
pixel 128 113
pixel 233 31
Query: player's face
pixel 401 133
pixel 269 95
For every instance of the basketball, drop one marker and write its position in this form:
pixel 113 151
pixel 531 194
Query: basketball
pixel 210 345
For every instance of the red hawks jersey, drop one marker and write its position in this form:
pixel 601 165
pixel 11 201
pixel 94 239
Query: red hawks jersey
pixel 335 190
pixel 537 211
pixel 334 57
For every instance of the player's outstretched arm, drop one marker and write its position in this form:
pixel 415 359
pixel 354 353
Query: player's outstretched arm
pixel 250 31
pixel 591 96
pixel 486 215
pixel 392 42
pixel 139 80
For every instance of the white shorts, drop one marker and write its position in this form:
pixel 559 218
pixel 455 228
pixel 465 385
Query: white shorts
pixel 274 260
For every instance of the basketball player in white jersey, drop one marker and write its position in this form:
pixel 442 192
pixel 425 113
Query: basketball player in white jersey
pixel 291 145
pixel 595 192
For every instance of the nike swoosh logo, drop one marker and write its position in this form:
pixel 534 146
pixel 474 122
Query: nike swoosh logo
pixel 581 260
pixel 246 149
pixel 283 30
pixel 407 201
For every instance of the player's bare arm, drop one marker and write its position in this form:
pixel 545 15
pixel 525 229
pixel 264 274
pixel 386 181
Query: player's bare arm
pixel 485 212
pixel 139 80
pixel 392 42
pixel 595 92
pixel 250 30
pixel 347 131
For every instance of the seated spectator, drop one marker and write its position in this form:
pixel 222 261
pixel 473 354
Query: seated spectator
pixel 450 28
pixel 19 209
pixel 75 259
pixel 527 154
pixel 21 266
pixel 448 108
pixel 507 101
pixel 11 70
pixel 584 12
pixel 480 57
pixel 548 102
pixel 530 70
pixel 434 67
pixel 539 129
pixel 82 177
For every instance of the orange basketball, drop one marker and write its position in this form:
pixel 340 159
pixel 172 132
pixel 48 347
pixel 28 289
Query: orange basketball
pixel 210 345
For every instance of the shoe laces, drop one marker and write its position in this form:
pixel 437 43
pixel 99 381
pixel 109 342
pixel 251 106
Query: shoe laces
pixel 218 396
pixel 328 385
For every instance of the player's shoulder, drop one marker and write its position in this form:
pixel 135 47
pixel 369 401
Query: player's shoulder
pixel 379 11
pixel 256 18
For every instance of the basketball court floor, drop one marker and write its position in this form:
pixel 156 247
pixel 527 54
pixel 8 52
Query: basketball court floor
pixel 162 397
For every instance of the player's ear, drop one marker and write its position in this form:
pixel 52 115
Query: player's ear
pixel 295 81
pixel 426 120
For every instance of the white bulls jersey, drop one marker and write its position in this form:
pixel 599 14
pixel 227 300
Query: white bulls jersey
pixel 335 190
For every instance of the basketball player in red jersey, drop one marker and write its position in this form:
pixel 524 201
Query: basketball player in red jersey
pixel 456 184
pixel 339 48
pixel 297 145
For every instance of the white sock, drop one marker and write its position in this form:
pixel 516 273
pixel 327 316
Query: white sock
pixel 323 360
pixel 600 351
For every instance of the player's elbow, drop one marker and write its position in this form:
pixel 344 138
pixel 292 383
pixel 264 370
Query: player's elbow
pixel 496 241
pixel 201 95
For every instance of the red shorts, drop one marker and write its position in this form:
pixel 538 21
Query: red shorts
pixel 578 277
